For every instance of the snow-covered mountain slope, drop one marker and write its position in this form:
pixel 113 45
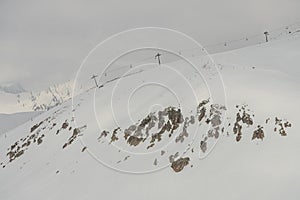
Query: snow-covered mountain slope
pixel 11 121
pixel 15 99
pixel 282 56
pixel 86 151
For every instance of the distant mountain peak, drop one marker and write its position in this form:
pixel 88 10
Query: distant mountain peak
pixel 13 88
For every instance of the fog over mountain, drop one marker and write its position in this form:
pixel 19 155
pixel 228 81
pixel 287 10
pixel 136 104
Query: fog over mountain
pixel 51 38
pixel 138 99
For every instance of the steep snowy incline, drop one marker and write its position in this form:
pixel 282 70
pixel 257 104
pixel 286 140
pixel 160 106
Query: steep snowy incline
pixel 11 121
pixel 83 152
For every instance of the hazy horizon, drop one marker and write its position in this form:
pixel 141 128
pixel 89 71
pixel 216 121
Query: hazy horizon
pixel 51 38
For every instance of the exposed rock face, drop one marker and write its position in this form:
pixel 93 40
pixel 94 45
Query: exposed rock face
pixel 40 139
pixel 201 110
pixel 211 114
pixel 114 135
pixel 135 134
pixel 175 117
pixel 158 136
pixel 134 141
pixel 258 133
pixel 18 148
pixel 174 120
pixel 65 125
pixel 155 128
pixel 246 118
pixel 83 149
pixel 75 134
pixel 103 134
pixel 203 146
pixel 237 130
pixel 155 161
pixel 179 164
pixel 281 125
pixel 184 132
pixel 241 117
pixel 215 119
pixel 202 103
pixel 34 127
pixel 173 157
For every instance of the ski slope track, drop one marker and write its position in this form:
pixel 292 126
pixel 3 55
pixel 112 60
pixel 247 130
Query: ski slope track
pixel 153 146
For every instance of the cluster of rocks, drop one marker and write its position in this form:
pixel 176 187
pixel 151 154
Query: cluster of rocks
pixel 184 132
pixel 281 125
pixel 35 136
pixel 75 134
pixel 135 134
pixel 258 133
pixel 179 164
pixel 242 117
pixel 114 136
pixel 214 119
pixel 155 126
pixel 201 110
pixel 166 121
pixel 103 134
pixel 65 125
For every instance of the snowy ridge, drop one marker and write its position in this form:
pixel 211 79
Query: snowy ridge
pixel 15 99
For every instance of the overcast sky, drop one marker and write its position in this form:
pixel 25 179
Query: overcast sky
pixel 51 38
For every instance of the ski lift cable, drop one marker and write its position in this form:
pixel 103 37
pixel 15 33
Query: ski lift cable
pixel 209 45
pixel 241 39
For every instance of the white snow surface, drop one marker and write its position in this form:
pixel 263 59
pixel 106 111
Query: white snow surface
pixel 265 77
pixel 11 121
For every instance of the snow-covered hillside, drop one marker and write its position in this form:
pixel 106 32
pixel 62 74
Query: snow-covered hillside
pixel 15 99
pixel 11 121
pixel 181 141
